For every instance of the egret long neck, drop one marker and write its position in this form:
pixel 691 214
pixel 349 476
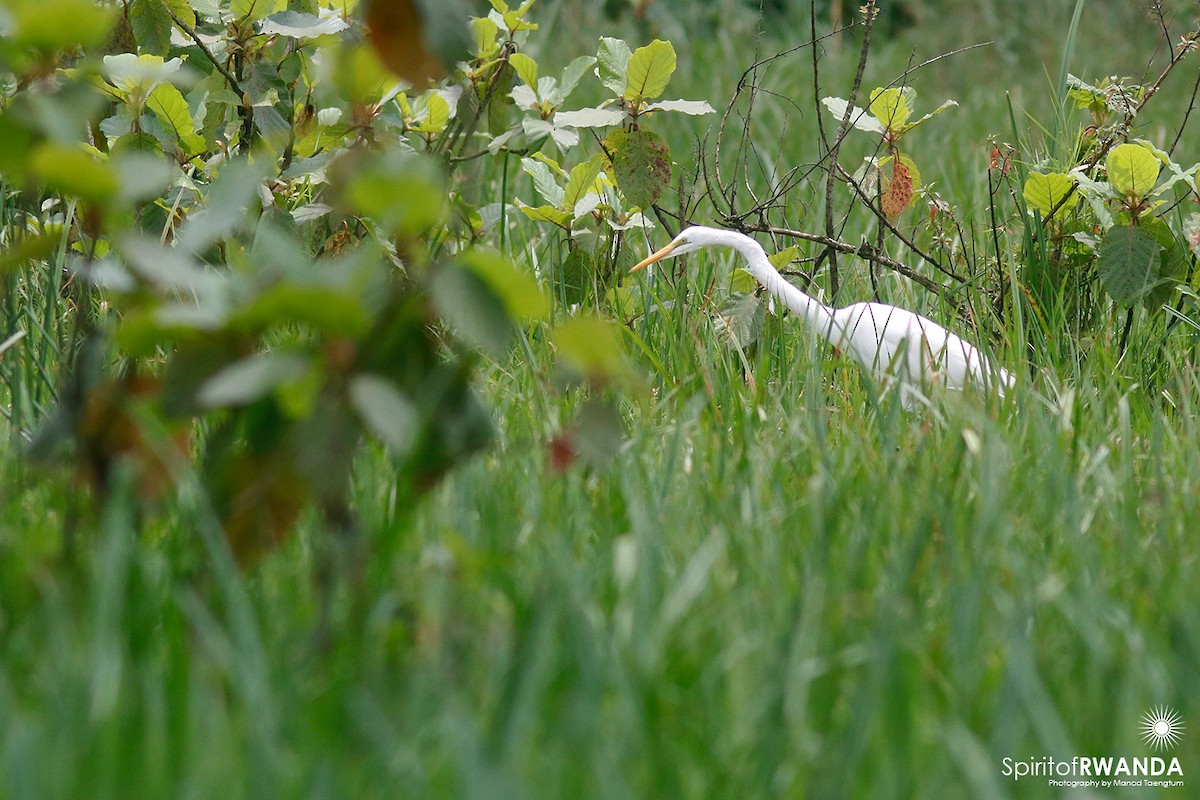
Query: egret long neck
pixel 818 317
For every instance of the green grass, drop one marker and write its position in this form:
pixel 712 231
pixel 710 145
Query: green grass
pixel 782 586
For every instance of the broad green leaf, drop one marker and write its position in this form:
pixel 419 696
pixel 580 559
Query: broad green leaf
pixel 243 382
pixel 385 411
pixel 544 181
pixel 230 200
pixel 403 194
pixel 648 71
pixel 549 214
pixel 59 24
pixel 1132 170
pixel 583 176
pixel 931 114
pixel 892 107
pixel 742 281
pixel 515 287
pixel 740 319
pixel 554 166
pixel 784 257
pixel 437 114
pixel 476 312
pixel 571 76
pixel 319 307
pixel 75 171
pixel 641 166
pixel 1128 263
pixel 167 104
pixel 151 23
pixel 255 10
pixel 592 347
pixel 694 108
pixel 613 57
pixel 1043 191
pixel 859 117
pixel 297 25
pixel 598 432
pixel 484 32
pixel 590 117
pixel 573 277
pixel 527 69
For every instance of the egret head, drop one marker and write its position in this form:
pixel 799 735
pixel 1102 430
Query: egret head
pixel 689 240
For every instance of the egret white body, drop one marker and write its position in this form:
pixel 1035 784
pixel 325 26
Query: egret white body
pixel 894 344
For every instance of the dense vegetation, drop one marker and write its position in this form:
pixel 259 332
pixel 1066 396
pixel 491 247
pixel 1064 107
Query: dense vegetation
pixel 342 458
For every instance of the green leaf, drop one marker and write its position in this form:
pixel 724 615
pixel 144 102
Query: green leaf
pixel 527 69
pixel 402 193
pixel 598 432
pixel 167 104
pixel 784 257
pixel 516 288
pixel 1132 170
pixel 59 24
pixel 573 279
pixel 648 71
pixel 385 411
pixel 243 382
pixel 549 214
pixel 298 25
pixel 859 117
pixel 476 312
pixel 289 303
pixel 73 170
pixel 544 181
pixel 582 178
pixel 892 107
pixel 740 319
pixel 1044 191
pixel 613 57
pixel 573 73
pixel 437 114
pixel 931 115
pixel 151 23
pixel 484 32
pixel 1128 263
pixel 641 166
pixel 590 117
pixel 592 347
pixel 255 10
pixel 695 108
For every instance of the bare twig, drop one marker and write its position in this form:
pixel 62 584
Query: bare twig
pixel 865 250
pixel 195 37
pixel 835 146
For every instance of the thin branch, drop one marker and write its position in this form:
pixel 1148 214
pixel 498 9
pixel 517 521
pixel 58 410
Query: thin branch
pixel 865 250
pixel 926 257
pixel 195 37
pixel 835 146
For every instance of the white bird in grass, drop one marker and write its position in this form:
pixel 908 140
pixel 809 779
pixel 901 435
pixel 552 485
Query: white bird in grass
pixel 892 343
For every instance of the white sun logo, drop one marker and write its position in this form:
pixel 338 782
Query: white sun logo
pixel 1162 727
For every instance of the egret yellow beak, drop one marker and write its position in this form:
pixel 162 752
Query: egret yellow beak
pixel 656 257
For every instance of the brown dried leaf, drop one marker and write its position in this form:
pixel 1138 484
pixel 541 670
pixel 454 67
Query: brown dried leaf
pixel 394 29
pixel 899 191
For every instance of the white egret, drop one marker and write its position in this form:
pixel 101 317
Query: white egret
pixel 892 343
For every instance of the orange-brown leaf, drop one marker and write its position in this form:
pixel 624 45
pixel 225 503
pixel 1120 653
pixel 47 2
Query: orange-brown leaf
pixel 394 29
pixel 899 190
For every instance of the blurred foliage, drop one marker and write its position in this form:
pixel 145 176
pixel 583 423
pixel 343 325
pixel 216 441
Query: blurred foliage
pixel 262 242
